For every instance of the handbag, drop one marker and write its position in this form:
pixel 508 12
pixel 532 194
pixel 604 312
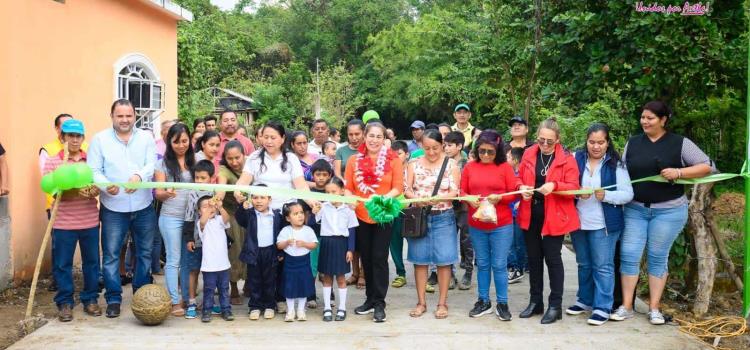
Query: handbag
pixel 415 218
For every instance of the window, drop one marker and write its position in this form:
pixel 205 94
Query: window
pixel 137 83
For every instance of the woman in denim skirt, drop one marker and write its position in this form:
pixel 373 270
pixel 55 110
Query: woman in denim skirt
pixel 440 245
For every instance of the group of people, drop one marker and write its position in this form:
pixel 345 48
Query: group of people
pixel 279 245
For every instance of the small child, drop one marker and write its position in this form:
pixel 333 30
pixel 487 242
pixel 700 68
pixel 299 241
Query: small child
pixel 259 252
pixel 191 257
pixel 215 263
pixel 336 247
pixel 296 240
pixel 397 241
pixel 454 143
pixel 517 261
pixel 329 151
pixel 321 172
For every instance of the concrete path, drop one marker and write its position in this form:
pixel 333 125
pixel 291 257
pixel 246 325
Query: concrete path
pixel 458 331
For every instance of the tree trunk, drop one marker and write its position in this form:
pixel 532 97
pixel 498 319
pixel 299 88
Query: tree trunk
pixel 700 202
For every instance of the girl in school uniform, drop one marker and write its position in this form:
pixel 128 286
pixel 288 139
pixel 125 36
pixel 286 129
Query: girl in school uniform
pixel 296 240
pixel 337 239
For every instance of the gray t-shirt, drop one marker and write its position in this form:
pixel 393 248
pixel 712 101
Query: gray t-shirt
pixel 174 207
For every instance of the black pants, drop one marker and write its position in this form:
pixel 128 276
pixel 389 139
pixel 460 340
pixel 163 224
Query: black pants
pixel 261 279
pixel 544 249
pixel 373 241
pixel 280 282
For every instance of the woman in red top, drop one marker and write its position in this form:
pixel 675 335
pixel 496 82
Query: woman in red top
pixel 490 175
pixel 546 217
pixel 374 169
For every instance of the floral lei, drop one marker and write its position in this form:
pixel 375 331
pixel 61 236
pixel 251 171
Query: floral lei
pixel 369 175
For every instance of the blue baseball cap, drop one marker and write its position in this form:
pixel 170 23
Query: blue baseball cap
pixel 73 126
pixel 417 124
pixel 462 106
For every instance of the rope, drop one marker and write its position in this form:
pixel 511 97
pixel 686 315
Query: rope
pixel 715 328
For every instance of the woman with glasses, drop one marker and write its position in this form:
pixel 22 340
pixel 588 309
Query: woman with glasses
pixel 546 216
pixel 490 175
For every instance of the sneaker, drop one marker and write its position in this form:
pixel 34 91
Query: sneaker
pixel 576 310
pixel 281 307
pixel 621 314
pixel 312 304
pixel 269 314
pixel 452 284
pixel 216 310
pixel 340 315
pixel 597 320
pixel 328 315
pixel 364 309
pixel 429 288
pixel 301 316
pixel 379 315
pixel 289 316
pixel 511 272
pixel 501 311
pixel 656 317
pixel 398 282
pixel 192 311
pixel 465 281
pixel 481 308
pixel 227 315
pixel 516 277
pixel 432 280
pixel 206 317
pixel 254 315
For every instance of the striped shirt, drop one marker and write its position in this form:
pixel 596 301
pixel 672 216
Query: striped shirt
pixel 74 213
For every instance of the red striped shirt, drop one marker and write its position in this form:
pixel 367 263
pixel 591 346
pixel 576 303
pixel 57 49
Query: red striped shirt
pixel 75 213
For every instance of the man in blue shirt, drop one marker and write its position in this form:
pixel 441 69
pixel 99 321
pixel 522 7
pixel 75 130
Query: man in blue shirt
pixel 417 131
pixel 124 153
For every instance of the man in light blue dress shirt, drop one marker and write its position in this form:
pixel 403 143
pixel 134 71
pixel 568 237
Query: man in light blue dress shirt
pixel 124 153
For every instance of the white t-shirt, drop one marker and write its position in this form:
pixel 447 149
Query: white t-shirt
pixel 272 176
pixel 304 234
pixel 214 238
pixel 336 221
pixel 265 228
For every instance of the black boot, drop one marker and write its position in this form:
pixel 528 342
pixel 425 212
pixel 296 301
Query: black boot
pixel 553 314
pixel 531 310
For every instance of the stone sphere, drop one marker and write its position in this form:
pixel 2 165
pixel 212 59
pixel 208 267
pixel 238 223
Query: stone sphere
pixel 151 304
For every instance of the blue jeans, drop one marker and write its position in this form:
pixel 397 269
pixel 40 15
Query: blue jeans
pixel 595 254
pixel 212 281
pixel 63 249
pixel 115 226
pixel 517 255
pixel 491 252
pixel 156 254
pixel 171 230
pixel 652 229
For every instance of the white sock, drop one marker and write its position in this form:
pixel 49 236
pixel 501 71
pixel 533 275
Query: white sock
pixel 301 305
pixel 289 305
pixel 342 299
pixel 327 297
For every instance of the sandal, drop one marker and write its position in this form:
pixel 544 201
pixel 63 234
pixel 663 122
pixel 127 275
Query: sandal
pixel 418 310
pixel 441 312
pixel 361 283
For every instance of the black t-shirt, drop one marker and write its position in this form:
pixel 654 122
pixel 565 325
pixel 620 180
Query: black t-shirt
pixel 2 150
pixel 543 164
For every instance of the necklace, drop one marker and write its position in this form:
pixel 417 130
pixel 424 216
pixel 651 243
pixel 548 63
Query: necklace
pixel 368 174
pixel 545 165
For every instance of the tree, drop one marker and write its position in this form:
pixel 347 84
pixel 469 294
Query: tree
pixel 338 95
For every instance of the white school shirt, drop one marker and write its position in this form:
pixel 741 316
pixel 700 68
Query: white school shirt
pixel 336 221
pixel 304 234
pixel 214 238
pixel 265 228
pixel 272 176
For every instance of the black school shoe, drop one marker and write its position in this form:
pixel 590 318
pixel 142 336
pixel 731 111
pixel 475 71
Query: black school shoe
pixel 113 310
pixel 227 315
pixel 340 315
pixel 328 315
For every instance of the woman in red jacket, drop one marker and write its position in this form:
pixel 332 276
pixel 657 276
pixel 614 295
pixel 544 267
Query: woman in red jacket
pixel 546 217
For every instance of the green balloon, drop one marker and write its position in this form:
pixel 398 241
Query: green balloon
pixel 416 154
pixel 48 184
pixel 84 175
pixel 65 177
pixel 371 114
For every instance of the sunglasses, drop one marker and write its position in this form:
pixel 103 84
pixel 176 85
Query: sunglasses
pixel 489 152
pixel 542 141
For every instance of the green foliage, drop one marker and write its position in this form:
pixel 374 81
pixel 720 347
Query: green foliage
pixel 338 97
pixel 678 257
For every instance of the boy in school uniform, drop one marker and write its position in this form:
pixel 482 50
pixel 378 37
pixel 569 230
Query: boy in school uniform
pixel 322 171
pixel 211 228
pixel 397 241
pixel 260 254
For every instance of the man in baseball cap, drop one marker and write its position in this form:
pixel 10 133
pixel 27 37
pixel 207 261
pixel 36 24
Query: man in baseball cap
pixel 417 131
pixel 462 114
pixel 519 129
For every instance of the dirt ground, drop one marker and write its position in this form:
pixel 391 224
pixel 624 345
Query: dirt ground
pixel 13 308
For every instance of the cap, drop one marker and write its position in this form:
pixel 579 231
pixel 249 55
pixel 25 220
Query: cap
pixel 417 124
pixel 462 106
pixel 73 126
pixel 517 119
